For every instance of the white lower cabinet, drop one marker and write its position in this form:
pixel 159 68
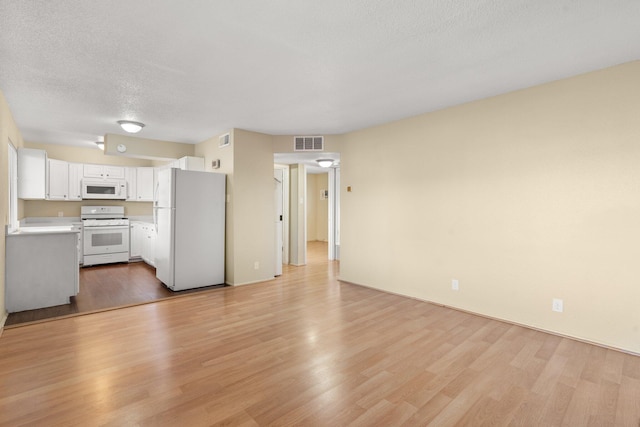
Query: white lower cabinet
pixel 149 245
pixel 135 240
pixel 42 270
pixel 143 242
pixel 77 226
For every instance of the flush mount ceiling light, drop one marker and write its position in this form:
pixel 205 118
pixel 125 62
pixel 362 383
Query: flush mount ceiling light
pixel 325 163
pixel 131 127
pixel 100 145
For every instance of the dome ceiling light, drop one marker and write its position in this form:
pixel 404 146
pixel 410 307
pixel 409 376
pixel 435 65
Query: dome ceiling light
pixel 131 127
pixel 325 163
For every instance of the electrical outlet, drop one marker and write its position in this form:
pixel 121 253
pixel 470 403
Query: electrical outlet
pixel 455 285
pixel 256 265
pixel 557 305
pixel 60 213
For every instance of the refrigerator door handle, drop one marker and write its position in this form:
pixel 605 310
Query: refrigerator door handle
pixel 155 194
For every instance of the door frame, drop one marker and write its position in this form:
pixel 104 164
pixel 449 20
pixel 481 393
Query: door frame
pixel 285 211
pixel 334 214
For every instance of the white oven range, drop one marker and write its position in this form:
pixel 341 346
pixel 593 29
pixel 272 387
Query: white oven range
pixel 106 235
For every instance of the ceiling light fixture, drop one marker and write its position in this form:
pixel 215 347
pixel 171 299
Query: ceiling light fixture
pixel 131 127
pixel 325 163
pixel 100 145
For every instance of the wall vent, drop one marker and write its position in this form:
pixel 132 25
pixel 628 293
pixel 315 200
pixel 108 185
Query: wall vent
pixel 308 143
pixel 224 140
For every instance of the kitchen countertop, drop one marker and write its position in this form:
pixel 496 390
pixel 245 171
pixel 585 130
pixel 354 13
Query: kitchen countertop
pixel 49 221
pixel 47 229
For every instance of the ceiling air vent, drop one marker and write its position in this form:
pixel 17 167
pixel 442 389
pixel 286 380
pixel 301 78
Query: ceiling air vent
pixel 224 140
pixel 308 143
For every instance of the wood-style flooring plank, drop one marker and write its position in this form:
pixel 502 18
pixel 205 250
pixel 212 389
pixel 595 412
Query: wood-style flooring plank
pixel 305 349
pixel 105 287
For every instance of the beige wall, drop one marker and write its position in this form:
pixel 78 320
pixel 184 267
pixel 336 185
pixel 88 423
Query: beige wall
pixel 254 207
pixel 144 148
pixel 49 208
pixel 322 208
pixel 297 215
pixel 250 228
pixel 8 132
pixel 523 197
pixel 317 208
pixel 312 208
pixel 46 208
pixel 70 153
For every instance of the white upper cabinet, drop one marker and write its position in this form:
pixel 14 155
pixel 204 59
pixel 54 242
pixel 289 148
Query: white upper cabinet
pixel 144 184
pixel 187 163
pixel 32 174
pixel 130 175
pixel 139 184
pixel 191 163
pixel 58 182
pixel 114 172
pixel 75 177
pixel 104 172
pixel 41 178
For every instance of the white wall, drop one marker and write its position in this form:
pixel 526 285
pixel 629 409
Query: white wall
pixel 523 197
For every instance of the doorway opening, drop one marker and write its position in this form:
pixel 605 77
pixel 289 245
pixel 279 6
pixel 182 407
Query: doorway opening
pixel 310 205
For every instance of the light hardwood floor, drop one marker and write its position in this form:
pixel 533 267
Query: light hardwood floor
pixel 307 350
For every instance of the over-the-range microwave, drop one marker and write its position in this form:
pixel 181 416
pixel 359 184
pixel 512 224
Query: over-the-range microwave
pixel 114 189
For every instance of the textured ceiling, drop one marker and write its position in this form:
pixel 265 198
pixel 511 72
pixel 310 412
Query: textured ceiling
pixel 194 69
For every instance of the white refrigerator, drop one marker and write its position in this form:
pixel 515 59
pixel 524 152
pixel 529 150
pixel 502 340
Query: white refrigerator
pixel 189 208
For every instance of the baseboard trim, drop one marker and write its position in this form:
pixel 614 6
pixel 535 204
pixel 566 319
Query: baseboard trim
pixel 511 322
pixel 3 321
pixel 251 283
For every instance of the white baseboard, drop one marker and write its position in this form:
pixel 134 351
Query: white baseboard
pixel 3 321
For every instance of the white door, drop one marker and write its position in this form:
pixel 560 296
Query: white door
pixel 278 177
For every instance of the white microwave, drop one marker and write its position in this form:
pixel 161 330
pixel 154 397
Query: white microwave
pixel 114 189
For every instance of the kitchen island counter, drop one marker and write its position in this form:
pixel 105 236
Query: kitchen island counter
pixel 41 267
